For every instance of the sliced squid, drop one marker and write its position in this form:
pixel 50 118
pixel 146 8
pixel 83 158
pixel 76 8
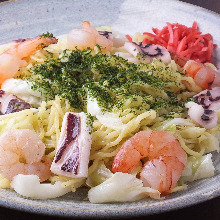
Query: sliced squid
pixel 203 110
pixel 73 150
pixel 11 103
pixel 197 114
pixel 22 89
pixel 106 34
pixel 148 52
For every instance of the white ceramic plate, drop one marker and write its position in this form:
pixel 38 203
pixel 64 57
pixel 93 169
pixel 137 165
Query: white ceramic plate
pixel 26 18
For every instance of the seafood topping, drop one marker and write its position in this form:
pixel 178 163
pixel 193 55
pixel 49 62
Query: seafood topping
pixel 74 145
pixel 88 36
pixel 11 103
pixel 72 163
pixel 203 75
pixel 166 162
pixel 72 130
pixel 209 99
pixel 22 152
pixel 148 51
pixel 106 34
pixel 203 110
pixel 13 58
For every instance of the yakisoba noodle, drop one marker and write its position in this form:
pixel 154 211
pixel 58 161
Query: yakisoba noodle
pixel 112 129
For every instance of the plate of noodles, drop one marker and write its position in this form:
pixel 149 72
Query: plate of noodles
pixel 108 108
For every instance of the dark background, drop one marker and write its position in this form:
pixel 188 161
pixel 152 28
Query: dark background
pixel 209 210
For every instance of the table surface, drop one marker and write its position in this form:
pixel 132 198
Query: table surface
pixel 205 210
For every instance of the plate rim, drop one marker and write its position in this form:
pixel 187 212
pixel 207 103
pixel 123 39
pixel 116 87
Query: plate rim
pixel 130 212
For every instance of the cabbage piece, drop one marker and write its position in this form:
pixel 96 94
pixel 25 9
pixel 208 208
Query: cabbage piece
pixel 211 142
pixel 121 187
pixel 92 106
pixel 111 120
pixel 108 119
pixel 30 186
pixel 198 168
pixel 99 175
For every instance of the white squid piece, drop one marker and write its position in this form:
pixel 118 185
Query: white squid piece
pixel 10 103
pixel 148 52
pixel 73 150
pixel 22 89
pixel 203 112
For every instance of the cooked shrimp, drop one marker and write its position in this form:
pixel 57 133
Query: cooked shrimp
pixel 204 76
pixel 21 152
pixel 86 37
pixel 12 59
pixel 166 159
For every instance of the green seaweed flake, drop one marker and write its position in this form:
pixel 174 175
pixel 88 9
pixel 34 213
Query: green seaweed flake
pixel 111 80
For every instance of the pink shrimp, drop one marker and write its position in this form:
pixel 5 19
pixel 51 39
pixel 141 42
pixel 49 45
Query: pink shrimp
pixel 166 159
pixel 22 152
pixel 12 59
pixel 204 76
pixel 86 37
